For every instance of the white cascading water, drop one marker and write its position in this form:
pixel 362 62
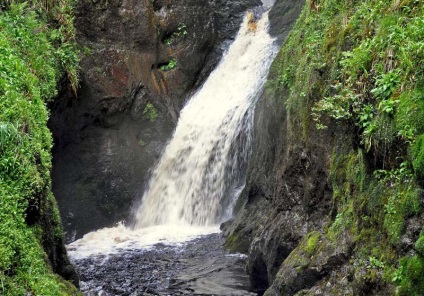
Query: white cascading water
pixel 212 138
pixel 198 178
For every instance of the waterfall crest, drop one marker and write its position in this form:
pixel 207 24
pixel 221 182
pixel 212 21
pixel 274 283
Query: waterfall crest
pixel 198 176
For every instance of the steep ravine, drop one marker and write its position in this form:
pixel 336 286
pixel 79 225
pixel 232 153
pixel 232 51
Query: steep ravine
pixel 191 191
pixel 333 201
pixel 141 60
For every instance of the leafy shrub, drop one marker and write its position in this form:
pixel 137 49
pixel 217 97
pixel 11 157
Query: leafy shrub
pixel 385 85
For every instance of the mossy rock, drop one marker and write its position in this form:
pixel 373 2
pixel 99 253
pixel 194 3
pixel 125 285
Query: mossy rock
pixel 418 158
pixel 314 258
pixel 312 242
pixel 419 245
pixel 235 242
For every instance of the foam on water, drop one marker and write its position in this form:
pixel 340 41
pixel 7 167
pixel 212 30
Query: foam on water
pixel 113 240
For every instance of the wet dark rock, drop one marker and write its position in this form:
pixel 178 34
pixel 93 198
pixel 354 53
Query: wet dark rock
pixel 141 61
pixel 287 195
pixel 309 263
pixel 413 229
pixel 53 244
pixel 199 267
pixel 282 17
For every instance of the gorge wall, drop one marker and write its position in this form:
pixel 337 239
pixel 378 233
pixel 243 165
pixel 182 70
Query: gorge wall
pixel 34 41
pixel 333 201
pixel 141 61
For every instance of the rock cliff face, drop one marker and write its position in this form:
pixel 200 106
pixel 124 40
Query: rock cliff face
pixel 315 218
pixel 283 199
pixel 142 60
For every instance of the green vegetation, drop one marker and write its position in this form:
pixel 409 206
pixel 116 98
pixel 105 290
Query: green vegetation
pixel 150 112
pixel 312 242
pixel 418 157
pixel 409 275
pixel 419 245
pixel 357 67
pixel 169 66
pixel 177 35
pixel 37 50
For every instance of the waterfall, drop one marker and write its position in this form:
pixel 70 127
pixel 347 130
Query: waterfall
pixel 202 170
pixel 199 173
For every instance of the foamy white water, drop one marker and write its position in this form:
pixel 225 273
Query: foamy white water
pixel 113 240
pixel 196 178
pixel 201 172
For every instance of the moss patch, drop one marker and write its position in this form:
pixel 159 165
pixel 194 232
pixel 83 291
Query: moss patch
pixel 312 242
pixel 236 243
pixel 418 157
pixel 150 112
pixel 33 57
